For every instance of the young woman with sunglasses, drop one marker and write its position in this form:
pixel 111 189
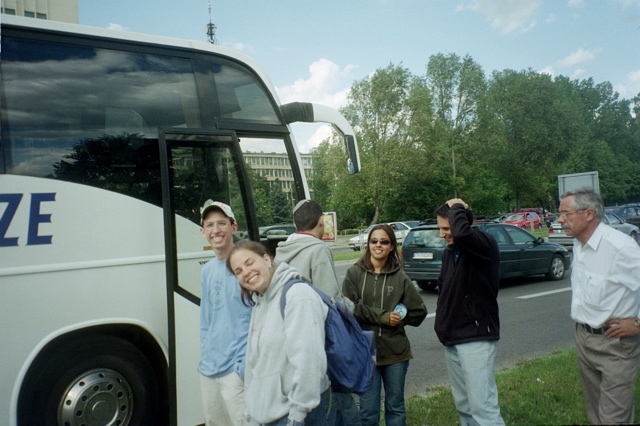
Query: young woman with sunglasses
pixel 385 301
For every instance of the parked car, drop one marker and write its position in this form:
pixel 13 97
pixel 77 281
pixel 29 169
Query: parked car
pixel 557 235
pixel 520 253
pixel 401 230
pixel 276 232
pixel 629 212
pixel 538 210
pixel 412 223
pixel 524 220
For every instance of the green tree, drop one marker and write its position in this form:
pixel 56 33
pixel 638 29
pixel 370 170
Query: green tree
pixel 377 107
pixel 457 85
pixel 536 127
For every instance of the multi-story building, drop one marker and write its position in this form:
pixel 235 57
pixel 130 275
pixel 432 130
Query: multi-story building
pixel 274 167
pixel 54 10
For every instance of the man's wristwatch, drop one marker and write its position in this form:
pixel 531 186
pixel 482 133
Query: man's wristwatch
pixel 637 322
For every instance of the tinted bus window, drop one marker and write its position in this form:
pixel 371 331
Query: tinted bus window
pixel 90 115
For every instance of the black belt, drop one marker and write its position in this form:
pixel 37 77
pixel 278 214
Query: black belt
pixel 594 330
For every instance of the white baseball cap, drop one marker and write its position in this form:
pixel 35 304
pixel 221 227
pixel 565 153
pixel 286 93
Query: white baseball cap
pixel 210 205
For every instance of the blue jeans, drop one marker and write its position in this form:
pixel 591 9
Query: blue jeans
pixel 347 412
pixel 470 367
pixel 392 376
pixel 323 415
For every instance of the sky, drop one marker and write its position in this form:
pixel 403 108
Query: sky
pixel 314 51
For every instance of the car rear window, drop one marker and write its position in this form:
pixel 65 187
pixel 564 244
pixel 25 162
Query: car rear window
pixel 424 238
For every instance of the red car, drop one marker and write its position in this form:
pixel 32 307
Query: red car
pixel 539 210
pixel 524 220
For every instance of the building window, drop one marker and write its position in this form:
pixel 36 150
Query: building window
pixel 29 14
pixel 41 15
pixel 9 11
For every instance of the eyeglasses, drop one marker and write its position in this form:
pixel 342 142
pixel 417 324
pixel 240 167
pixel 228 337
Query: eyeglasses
pixel 221 224
pixel 375 241
pixel 565 215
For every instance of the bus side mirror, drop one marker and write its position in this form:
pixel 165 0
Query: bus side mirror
pixel 351 148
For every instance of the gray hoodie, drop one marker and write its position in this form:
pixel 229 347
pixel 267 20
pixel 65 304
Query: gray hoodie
pixel 313 260
pixel 286 365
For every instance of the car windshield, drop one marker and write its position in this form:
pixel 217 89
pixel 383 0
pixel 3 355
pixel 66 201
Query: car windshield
pixel 424 238
pixel 517 216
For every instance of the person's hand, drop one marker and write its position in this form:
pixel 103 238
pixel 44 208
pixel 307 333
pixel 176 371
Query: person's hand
pixel 621 327
pixel 394 318
pixel 453 201
pixel 390 318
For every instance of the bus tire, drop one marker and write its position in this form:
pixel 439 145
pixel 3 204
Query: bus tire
pixel 99 380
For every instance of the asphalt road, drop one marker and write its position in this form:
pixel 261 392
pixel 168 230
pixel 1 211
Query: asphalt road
pixel 534 317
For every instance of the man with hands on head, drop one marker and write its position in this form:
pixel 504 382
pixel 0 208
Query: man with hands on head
pixel 467 321
pixel 605 304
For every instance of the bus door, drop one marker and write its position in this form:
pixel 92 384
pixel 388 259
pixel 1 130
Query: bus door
pixel 196 165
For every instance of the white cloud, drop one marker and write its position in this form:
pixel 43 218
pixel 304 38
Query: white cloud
pixel 629 3
pixel 548 70
pixel 508 16
pixel 323 132
pixel 577 73
pixel 630 87
pixel 325 85
pixel 578 57
pixel 116 27
pixel 575 3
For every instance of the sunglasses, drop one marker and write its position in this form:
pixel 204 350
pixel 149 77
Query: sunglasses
pixel 375 241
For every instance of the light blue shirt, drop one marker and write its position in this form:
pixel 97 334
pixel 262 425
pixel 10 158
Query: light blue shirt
pixel 224 322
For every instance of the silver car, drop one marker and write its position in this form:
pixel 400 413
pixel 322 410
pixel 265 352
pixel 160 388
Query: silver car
pixel 401 229
pixel 557 235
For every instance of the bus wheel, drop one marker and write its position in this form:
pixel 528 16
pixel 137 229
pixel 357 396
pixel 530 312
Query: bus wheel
pixel 100 380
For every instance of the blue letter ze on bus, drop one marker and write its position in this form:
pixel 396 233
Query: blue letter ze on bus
pixel 35 218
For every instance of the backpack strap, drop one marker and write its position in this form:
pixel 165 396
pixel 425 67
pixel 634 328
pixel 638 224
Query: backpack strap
pixel 285 289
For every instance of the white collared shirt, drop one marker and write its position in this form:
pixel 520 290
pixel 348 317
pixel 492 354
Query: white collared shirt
pixel 605 277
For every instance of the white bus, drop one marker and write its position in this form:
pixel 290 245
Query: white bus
pixel 110 143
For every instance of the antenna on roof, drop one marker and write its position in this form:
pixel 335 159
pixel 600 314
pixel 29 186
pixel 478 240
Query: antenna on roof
pixel 211 29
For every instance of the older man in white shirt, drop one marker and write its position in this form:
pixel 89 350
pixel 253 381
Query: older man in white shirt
pixel 605 305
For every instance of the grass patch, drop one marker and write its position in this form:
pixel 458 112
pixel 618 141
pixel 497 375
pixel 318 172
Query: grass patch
pixel 348 255
pixel 542 391
pixel 540 232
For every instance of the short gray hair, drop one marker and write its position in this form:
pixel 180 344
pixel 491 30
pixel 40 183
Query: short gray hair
pixel 587 198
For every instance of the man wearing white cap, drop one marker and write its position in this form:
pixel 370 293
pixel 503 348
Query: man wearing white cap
pixel 224 323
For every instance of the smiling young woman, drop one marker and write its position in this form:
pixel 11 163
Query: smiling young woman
pixel 286 378
pixel 385 301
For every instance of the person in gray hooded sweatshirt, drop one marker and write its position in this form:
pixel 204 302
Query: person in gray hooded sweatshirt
pixel 306 251
pixel 312 258
pixel 286 380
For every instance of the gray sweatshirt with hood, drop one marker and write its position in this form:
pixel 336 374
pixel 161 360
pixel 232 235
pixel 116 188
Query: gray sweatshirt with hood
pixel 286 365
pixel 313 260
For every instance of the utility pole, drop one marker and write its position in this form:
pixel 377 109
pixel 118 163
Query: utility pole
pixel 211 29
